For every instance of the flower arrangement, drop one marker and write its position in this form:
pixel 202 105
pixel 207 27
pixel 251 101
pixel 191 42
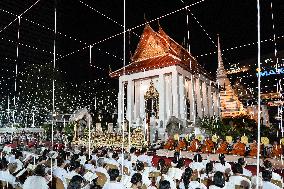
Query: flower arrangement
pixel 215 138
pixel 229 139
pixel 199 137
pixel 244 139
pixel 264 140
pixel 282 141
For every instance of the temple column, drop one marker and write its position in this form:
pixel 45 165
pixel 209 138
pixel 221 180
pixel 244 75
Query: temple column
pixel 210 103
pixel 198 98
pixel 130 100
pixel 120 103
pixel 205 98
pixel 137 100
pixel 162 98
pixel 168 98
pixel 142 100
pixel 182 97
pixel 175 97
pixel 216 104
pixel 192 98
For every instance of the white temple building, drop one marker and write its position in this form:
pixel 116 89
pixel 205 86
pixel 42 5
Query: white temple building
pixel 164 80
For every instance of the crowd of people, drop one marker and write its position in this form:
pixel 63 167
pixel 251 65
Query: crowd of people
pixel 221 146
pixel 107 168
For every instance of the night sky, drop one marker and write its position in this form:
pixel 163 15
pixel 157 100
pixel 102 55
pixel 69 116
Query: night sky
pixel 234 20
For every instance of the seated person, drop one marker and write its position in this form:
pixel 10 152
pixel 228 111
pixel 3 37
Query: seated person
pixel 239 148
pixel 194 145
pixel 246 172
pixel 208 174
pixel 266 177
pixel 186 182
pixel 164 176
pixel 276 150
pixel 218 181
pixel 164 184
pixel 208 145
pixel 113 183
pixel 222 147
pixel 275 176
pixel 143 157
pixel 222 165
pixel 197 163
pixel 253 149
pixel 238 179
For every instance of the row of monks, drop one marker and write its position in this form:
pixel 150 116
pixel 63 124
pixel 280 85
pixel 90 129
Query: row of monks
pixel 223 147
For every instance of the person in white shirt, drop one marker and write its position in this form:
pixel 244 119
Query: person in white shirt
pixel 75 169
pixel 144 157
pixel 126 162
pixel 164 176
pixel 197 163
pixel 60 172
pixel 113 184
pixel 218 181
pixel 222 166
pixel 101 168
pixel 113 160
pixel 275 176
pixel 246 172
pixel 145 174
pixel 76 182
pixel 237 178
pixel 266 184
pixel 133 155
pixel 208 172
pixel 187 183
pixel 5 174
pixel 136 181
pixel 37 180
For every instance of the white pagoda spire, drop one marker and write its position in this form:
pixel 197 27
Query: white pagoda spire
pixel 221 72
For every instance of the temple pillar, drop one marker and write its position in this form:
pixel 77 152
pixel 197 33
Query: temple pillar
pixel 130 100
pixel 162 98
pixel 192 98
pixel 175 94
pixel 142 100
pixel 198 98
pixel 216 104
pixel 182 98
pixel 205 98
pixel 210 103
pixel 120 103
pixel 136 100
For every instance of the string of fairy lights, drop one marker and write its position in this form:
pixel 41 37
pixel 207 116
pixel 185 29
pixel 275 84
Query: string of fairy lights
pixel 90 85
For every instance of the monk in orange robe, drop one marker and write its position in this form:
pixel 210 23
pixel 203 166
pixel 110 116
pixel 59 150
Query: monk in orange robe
pixel 208 146
pixel 194 145
pixel 276 150
pixel 253 149
pixel 170 144
pixel 181 145
pixel 222 147
pixel 239 148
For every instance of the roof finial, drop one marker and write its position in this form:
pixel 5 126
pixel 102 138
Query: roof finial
pixel 145 18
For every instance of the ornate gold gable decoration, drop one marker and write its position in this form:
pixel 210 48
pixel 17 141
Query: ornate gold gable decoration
pixel 152 92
